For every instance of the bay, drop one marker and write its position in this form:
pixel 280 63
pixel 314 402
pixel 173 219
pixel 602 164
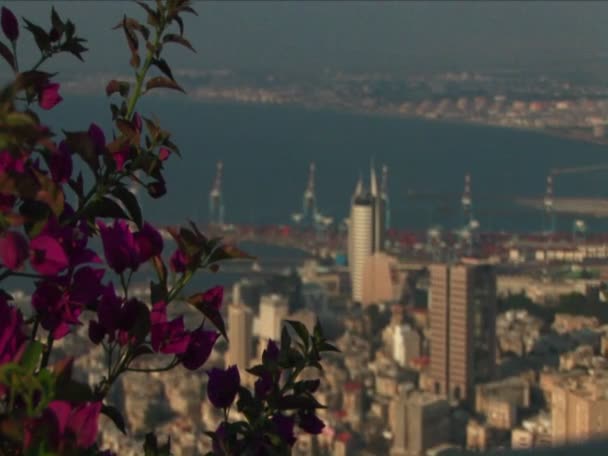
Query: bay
pixel 266 150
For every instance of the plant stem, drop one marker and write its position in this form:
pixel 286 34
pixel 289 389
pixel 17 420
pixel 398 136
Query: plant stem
pixel 14 46
pixel 35 329
pixel 170 366
pixel 139 77
pixel 47 352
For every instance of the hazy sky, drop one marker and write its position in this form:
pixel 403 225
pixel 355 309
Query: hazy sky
pixel 365 35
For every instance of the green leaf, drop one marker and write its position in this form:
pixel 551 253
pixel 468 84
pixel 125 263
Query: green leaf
pixel 74 391
pixel 142 323
pixel 31 357
pixel 121 87
pixel 162 65
pixel 285 340
pixel 106 208
pixel 228 252
pixel 208 311
pixel 56 21
pixel 36 215
pixel 81 143
pixel 178 39
pixel 116 417
pixel 7 55
pixel 158 292
pixel 42 39
pixel 162 82
pixel 300 330
pixel 129 200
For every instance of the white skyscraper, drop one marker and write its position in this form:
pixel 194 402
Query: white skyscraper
pixel 274 309
pixel 365 231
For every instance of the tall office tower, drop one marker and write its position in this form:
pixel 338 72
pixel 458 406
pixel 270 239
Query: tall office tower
pixel 274 308
pixel 365 230
pixel 462 307
pixel 360 238
pixel 379 212
pixel 240 335
pixel 406 344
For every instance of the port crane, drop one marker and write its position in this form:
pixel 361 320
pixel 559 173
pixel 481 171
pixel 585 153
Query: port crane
pixel 579 226
pixel 310 216
pixel 216 201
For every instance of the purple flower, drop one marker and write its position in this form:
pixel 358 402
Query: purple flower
pixel 199 349
pixel 214 297
pixel 115 318
pixel 49 97
pixel 167 336
pixel 284 428
pixel 137 122
pixel 83 423
pixel 178 261
pixel 309 422
pixel 98 138
pixel 223 386
pixel 60 163
pixel 56 311
pixel 119 246
pixel 149 242
pixel 12 338
pixel 47 255
pixel 87 287
pixel 10 26
pixel 271 353
pixel 13 250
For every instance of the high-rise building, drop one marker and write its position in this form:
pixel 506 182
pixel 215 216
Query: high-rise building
pixel 274 308
pixel 240 335
pixel 462 307
pixel 406 344
pixel 366 228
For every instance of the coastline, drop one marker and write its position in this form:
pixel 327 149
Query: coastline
pixel 553 132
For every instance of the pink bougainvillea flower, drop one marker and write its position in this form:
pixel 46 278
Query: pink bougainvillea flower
pixel 214 297
pixel 149 242
pixel 136 122
pixel 163 153
pixel 119 246
pixel 199 349
pixel 60 163
pixel 170 336
pixel 48 96
pixel 13 250
pixel 6 202
pixel 121 157
pixel 64 426
pixel 10 26
pixel 223 386
pixel 178 261
pixel 9 163
pixel 12 338
pixel 47 256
